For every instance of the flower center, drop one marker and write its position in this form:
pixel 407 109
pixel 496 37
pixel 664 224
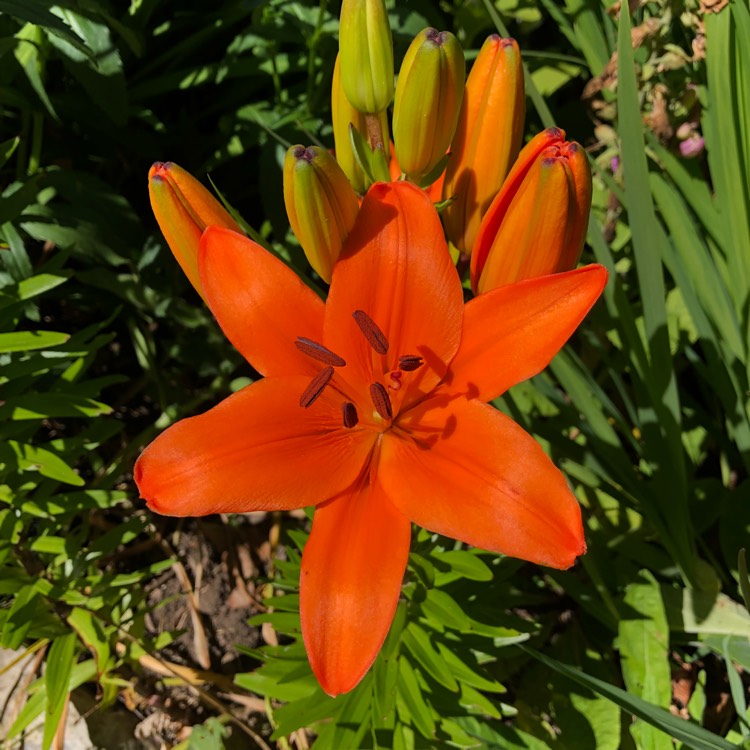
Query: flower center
pixel 379 393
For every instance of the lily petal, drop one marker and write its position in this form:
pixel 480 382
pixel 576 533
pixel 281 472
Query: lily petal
pixel 352 568
pixel 261 305
pixel 463 469
pixel 257 450
pixel 513 332
pixel 395 267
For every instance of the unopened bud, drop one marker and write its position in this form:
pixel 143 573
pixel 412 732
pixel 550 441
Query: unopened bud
pixel 366 51
pixel 184 208
pixel 320 203
pixel 429 92
pixel 344 115
pixel 487 140
pixel 537 223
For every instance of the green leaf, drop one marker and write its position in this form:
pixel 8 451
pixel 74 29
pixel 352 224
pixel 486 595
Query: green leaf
pixel 460 564
pixel 418 642
pixel 208 736
pixel 23 341
pixel 82 672
pixel 58 670
pixel 440 608
pixel 410 701
pixel 744 578
pixel 643 641
pixel 692 736
pixel 101 74
pixel 40 15
pixel 30 40
pixel 7 148
pixel 34 458
pixel 704 612
pixel 91 631
pixel 43 405
pixel 723 125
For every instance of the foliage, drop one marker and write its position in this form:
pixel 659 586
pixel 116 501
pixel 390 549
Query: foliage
pixel 103 344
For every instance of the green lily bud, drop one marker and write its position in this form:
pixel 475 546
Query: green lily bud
pixel 343 115
pixel 320 203
pixel 428 101
pixel 366 50
pixel 184 208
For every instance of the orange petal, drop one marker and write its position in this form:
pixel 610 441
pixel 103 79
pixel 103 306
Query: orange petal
pixel 352 569
pixel 464 469
pixel 257 450
pixel 513 332
pixel 261 305
pixel 395 266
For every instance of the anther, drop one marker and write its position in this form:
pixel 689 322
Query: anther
pixel 317 384
pixel 349 414
pixel 375 337
pixel 410 362
pixel 318 351
pixel 381 400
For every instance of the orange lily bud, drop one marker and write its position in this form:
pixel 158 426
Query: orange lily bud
pixel 184 208
pixel 320 203
pixel 537 223
pixel 344 115
pixel 487 140
pixel 429 92
pixel 366 50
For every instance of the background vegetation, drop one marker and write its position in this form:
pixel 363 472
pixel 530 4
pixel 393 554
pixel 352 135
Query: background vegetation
pixel 194 624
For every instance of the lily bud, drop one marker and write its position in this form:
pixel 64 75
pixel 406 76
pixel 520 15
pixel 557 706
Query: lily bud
pixel 184 208
pixel 366 51
pixel 434 191
pixel 343 115
pixel 537 223
pixel 320 203
pixel 429 92
pixel 487 140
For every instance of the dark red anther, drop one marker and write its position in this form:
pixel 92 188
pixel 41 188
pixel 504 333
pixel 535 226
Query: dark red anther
pixel 375 337
pixel 318 351
pixel 317 384
pixel 410 362
pixel 349 414
pixel 381 400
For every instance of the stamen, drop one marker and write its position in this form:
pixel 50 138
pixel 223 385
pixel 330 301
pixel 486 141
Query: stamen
pixel 410 362
pixel 349 413
pixel 317 384
pixel 318 351
pixel 381 400
pixel 375 337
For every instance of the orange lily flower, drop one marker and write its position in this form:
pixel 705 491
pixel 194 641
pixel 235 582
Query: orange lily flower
pixel 372 409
